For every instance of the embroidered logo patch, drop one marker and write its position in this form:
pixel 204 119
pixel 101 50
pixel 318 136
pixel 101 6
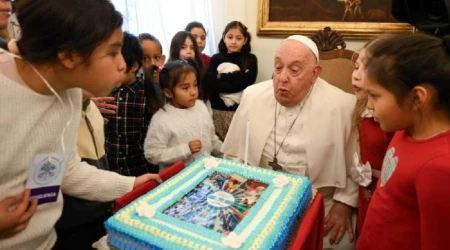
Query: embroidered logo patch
pixel 389 165
pixel 47 171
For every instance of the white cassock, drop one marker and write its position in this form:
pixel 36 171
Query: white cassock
pixel 320 144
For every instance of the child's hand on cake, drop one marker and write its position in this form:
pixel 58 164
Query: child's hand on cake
pixel 15 213
pixel 146 177
pixel 195 146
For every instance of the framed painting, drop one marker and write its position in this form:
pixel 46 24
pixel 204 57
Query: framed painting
pixel 353 19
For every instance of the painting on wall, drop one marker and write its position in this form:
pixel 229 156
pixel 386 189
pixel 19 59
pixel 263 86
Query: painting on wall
pixel 353 19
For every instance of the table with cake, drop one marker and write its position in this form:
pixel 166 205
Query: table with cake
pixel 219 204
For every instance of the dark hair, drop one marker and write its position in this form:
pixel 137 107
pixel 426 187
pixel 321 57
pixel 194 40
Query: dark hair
pixel 175 47
pixel 194 24
pixel 147 36
pixel 131 51
pixel 246 49
pixel 177 42
pixel 399 63
pixel 13 6
pixel 169 76
pixel 51 26
pixel 3 44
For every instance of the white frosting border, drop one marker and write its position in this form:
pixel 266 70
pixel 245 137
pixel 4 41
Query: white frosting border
pixel 279 181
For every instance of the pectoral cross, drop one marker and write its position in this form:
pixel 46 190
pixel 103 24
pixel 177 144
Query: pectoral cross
pixel 274 164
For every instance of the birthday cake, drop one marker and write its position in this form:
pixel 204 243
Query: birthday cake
pixel 213 204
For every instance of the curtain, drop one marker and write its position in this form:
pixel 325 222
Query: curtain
pixel 164 18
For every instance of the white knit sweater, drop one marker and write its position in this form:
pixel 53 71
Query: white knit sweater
pixel 31 123
pixel 170 131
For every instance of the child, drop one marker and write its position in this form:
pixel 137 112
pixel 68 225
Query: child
pixel 80 49
pixel 81 222
pixel 183 128
pixel 184 46
pixel 152 50
pixel 199 32
pixel 234 47
pixel 153 55
pixel 125 131
pixel 407 83
pixel 373 142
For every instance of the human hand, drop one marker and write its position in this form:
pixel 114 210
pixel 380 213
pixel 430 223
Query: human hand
pixel 146 177
pixel 339 221
pixel 195 146
pixel 104 106
pixel 15 213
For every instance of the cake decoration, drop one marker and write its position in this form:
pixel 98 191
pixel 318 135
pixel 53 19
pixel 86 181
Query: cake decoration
pixel 213 204
pixel 280 181
pixel 145 210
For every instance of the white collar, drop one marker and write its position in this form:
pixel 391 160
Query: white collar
pixel 367 113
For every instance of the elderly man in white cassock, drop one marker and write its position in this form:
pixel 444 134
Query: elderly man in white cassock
pixel 302 125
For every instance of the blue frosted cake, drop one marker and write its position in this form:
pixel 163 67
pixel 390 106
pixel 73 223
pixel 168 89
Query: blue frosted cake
pixel 213 204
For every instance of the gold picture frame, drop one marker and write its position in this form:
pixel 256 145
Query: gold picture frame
pixel 357 30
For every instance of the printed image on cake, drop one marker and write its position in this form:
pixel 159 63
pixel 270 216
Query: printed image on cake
pixel 214 204
pixel 218 203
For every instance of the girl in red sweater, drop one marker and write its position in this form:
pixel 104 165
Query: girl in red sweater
pixel 373 141
pixel 407 80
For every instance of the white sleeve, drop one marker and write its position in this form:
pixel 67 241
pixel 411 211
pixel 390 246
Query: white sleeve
pixel 349 194
pixel 87 182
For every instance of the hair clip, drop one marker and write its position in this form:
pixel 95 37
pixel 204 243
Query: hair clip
pixel 183 61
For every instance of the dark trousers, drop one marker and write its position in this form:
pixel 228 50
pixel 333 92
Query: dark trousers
pixel 140 167
pixel 80 237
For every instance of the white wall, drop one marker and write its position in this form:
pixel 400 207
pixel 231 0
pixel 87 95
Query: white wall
pixel 246 11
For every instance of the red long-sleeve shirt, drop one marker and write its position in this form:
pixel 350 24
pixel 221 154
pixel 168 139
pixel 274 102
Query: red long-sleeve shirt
pixel 373 144
pixel 411 207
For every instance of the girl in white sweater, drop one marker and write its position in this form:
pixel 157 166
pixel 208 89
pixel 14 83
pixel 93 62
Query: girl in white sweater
pixel 66 45
pixel 181 129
